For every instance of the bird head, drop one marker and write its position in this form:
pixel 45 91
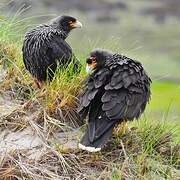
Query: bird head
pixel 66 23
pixel 97 59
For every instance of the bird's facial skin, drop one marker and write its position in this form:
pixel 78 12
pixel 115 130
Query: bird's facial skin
pixel 91 64
pixel 74 24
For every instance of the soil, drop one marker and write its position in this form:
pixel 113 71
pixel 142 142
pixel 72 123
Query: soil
pixel 27 138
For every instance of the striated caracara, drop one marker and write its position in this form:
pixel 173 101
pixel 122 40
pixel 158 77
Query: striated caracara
pixel 45 49
pixel 116 90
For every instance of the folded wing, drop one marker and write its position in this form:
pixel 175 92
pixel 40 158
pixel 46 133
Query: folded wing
pixel 127 92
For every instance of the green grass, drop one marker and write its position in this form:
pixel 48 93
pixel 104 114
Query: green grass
pixel 165 102
pixel 165 96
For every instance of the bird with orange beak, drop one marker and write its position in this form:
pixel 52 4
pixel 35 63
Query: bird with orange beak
pixel 117 90
pixel 45 49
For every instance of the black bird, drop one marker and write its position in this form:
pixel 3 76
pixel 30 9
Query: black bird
pixel 117 90
pixel 45 49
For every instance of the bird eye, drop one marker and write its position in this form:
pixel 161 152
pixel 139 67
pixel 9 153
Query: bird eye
pixel 91 60
pixel 70 22
pixel 94 60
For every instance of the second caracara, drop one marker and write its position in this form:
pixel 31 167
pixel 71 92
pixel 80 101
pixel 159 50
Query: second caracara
pixel 45 48
pixel 117 90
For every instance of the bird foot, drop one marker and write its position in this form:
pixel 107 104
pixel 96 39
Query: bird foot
pixel 122 129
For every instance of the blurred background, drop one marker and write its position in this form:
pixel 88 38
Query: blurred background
pixel 148 31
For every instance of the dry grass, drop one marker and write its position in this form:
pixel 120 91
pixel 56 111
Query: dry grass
pixel 50 165
pixel 125 159
pixel 133 155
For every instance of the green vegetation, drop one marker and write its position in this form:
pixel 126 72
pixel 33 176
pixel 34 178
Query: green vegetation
pixel 165 97
pixel 149 151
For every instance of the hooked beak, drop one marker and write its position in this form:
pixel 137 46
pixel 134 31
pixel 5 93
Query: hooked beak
pixel 88 69
pixel 76 24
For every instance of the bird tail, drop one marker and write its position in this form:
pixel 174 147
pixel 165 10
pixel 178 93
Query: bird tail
pixel 97 134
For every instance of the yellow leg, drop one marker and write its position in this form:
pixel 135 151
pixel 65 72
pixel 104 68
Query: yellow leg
pixel 122 128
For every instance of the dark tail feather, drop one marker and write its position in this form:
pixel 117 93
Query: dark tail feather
pixel 98 132
pixel 91 131
pixel 98 143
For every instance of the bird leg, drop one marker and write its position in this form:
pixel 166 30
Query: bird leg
pixel 122 128
pixel 39 84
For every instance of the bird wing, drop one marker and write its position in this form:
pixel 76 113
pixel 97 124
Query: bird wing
pixel 127 92
pixel 92 84
pixel 58 50
pixel 40 53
